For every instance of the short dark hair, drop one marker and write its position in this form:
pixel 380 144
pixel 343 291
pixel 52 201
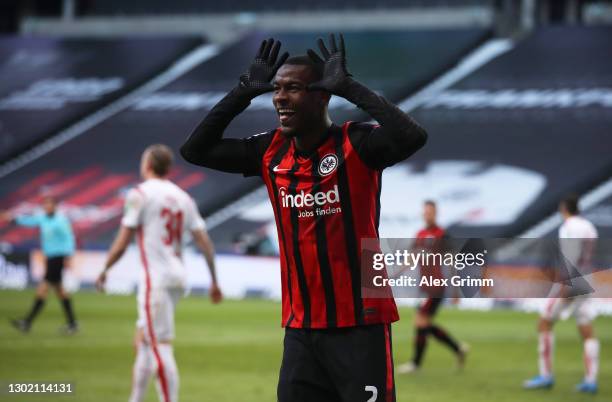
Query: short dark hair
pixel 160 158
pixel 304 60
pixel 431 203
pixel 570 204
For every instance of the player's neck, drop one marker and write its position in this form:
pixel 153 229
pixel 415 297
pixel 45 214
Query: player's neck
pixel 314 137
pixel 150 175
pixel 567 216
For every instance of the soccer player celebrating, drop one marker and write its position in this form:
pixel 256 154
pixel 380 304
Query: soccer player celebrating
pixel 430 239
pixel 58 245
pixel 158 212
pixel 577 237
pixel 324 184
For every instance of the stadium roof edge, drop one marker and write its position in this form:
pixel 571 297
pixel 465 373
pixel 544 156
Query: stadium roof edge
pixel 226 27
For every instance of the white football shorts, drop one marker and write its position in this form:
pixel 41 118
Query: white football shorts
pixel 156 312
pixel 581 307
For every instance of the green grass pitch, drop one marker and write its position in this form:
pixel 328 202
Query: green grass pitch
pixel 231 352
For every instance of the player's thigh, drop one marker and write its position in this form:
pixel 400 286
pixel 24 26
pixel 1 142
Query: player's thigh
pixel 553 308
pixel 156 313
pixel 164 319
pixel 302 378
pixel 584 312
pixel 360 362
pixel 141 308
pixel 53 273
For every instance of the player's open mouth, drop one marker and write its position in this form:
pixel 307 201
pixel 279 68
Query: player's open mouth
pixel 285 114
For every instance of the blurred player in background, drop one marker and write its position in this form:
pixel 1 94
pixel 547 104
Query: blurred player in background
pixel 430 239
pixel 58 245
pixel 158 212
pixel 323 181
pixel 577 237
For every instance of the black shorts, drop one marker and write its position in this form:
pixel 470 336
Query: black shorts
pixel 430 306
pixel 337 365
pixel 55 265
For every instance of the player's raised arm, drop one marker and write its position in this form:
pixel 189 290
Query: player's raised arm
pixel 26 220
pixel 206 146
pixel 398 136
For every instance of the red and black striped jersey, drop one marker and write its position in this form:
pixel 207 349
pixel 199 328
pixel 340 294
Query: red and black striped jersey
pixel 431 240
pixel 324 204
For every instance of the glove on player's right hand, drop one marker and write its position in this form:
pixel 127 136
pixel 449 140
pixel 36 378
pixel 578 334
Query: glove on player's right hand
pixel 336 77
pixel 256 80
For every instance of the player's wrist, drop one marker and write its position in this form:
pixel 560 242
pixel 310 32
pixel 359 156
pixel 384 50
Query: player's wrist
pixel 242 94
pixel 346 87
pixel 245 92
pixel 351 89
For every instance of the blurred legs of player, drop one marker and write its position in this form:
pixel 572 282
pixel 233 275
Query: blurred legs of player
pixel 153 344
pixel 425 327
pixel 53 278
pixel 580 308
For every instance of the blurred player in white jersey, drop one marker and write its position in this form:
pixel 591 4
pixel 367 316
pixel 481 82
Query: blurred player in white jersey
pixel 577 238
pixel 158 213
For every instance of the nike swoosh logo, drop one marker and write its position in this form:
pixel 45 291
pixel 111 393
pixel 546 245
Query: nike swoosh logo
pixel 276 169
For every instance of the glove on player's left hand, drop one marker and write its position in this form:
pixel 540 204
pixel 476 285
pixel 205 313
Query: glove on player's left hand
pixel 335 75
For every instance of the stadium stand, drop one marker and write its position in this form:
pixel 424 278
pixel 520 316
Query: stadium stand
pixel 92 170
pixel 532 109
pixel 142 7
pixel 600 214
pixel 54 82
pixel 595 206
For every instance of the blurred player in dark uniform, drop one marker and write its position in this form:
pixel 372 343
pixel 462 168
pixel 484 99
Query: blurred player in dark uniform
pixel 430 239
pixel 58 245
pixel 324 184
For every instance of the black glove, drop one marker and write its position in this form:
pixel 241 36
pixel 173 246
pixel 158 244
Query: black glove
pixel 336 77
pixel 256 80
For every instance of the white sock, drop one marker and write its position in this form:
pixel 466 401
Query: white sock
pixel 167 375
pixel 144 367
pixel 546 347
pixel 591 359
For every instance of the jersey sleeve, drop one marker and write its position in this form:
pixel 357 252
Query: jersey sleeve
pixel 195 220
pixel 376 147
pixel 28 220
pixel 561 233
pixel 256 146
pixel 132 210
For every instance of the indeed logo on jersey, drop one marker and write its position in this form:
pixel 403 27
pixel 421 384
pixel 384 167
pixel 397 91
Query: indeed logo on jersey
pixel 323 202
